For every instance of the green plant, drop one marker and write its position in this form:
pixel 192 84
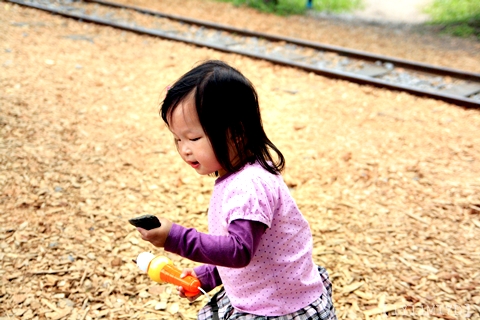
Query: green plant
pixel 337 5
pixel 457 17
pixel 289 7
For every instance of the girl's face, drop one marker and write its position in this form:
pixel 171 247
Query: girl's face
pixel 192 143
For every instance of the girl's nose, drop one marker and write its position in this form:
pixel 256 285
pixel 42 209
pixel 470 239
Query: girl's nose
pixel 184 149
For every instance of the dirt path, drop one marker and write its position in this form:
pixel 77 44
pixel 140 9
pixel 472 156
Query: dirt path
pixel 388 181
pixel 393 11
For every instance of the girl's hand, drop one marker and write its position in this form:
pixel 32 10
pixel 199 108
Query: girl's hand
pixel 181 291
pixel 159 235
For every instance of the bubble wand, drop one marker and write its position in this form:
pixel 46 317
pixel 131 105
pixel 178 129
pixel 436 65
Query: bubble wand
pixel 161 269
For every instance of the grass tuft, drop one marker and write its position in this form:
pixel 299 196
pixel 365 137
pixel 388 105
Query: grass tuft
pixel 456 17
pixel 291 7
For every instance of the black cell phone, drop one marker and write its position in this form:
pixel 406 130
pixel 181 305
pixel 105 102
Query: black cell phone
pixel 147 222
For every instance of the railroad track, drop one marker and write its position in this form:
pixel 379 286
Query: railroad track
pixel 450 85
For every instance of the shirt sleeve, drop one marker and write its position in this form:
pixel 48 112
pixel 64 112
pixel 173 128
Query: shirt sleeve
pixel 208 276
pixel 250 199
pixel 234 250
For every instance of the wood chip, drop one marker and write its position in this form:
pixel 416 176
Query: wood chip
pixel 352 287
pixel 384 309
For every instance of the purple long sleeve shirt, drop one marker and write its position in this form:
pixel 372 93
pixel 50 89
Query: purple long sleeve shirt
pixel 233 251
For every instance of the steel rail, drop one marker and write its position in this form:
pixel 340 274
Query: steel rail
pixel 451 98
pixel 304 43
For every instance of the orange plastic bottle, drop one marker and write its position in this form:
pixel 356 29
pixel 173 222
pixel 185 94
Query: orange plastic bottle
pixel 161 269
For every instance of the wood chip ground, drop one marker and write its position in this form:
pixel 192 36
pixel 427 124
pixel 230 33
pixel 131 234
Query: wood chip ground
pixel 389 182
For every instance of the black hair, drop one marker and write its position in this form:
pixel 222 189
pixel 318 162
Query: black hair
pixel 229 112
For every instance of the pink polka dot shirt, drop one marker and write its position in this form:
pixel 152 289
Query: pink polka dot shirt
pixel 281 277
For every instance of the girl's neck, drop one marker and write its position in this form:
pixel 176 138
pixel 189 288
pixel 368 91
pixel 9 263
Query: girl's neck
pixel 221 172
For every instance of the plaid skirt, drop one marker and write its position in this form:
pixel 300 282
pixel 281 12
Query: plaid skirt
pixel 220 308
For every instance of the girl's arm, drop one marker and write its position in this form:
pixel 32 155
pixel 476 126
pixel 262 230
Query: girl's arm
pixel 234 250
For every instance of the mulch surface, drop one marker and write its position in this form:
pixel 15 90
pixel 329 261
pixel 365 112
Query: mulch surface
pixel 389 182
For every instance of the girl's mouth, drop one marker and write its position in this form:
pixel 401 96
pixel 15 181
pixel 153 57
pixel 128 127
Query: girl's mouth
pixel 194 164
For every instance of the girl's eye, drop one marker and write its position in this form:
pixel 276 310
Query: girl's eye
pixel 195 139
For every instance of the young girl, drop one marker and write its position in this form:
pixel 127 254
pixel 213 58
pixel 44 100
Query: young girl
pixel 259 245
